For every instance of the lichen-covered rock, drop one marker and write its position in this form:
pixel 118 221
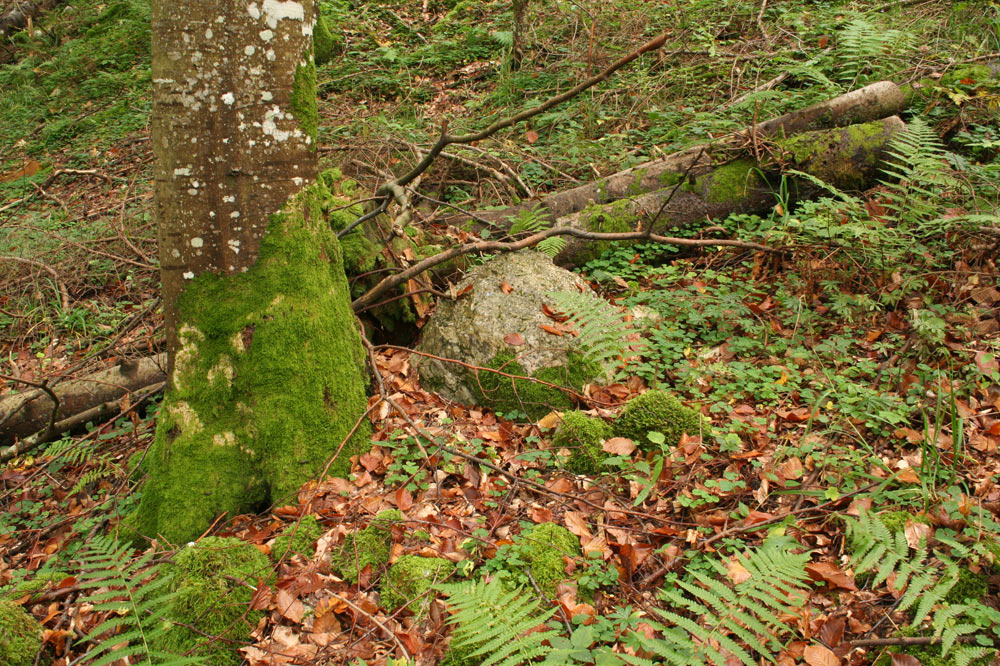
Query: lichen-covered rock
pixel 299 537
pixel 498 324
pixel 20 635
pixel 658 411
pixel 409 578
pixel 214 581
pixel 583 436
pixel 366 548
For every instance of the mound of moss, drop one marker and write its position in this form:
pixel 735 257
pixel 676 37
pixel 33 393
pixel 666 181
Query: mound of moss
pixel 658 411
pixel 582 435
pixel 214 581
pixel 409 578
pixel 299 537
pixel 366 548
pixel 539 552
pixel 20 635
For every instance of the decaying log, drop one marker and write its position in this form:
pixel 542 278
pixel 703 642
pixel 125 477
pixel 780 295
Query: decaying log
pixel 27 413
pixel 873 102
pixel 847 159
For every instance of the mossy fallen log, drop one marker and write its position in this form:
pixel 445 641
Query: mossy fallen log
pixel 846 158
pixel 873 102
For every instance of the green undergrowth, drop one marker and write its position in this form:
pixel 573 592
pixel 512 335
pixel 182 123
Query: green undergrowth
pixel 79 81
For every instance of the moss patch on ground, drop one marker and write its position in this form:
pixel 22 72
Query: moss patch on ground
pixel 658 411
pixel 367 548
pixel 539 552
pixel 214 581
pixel 299 537
pixel 269 380
pixel 582 435
pixel 409 578
pixel 20 635
pixel 504 394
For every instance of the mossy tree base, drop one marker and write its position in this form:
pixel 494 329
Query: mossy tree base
pixel 268 381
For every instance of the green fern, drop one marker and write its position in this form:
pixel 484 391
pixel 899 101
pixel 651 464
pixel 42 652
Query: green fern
pixel 923 582
pixel 135 597
pixel 919 166
pixel 722 622
pixel 531 222
pixel 602 331
pixel 492 624
pixel 861 44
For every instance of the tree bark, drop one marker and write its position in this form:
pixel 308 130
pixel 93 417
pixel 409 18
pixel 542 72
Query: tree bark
pixel 872 102
pixel 265 364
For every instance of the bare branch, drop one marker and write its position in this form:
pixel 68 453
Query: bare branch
pixel 392 281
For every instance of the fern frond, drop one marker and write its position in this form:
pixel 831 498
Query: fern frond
pixel 602 331
pixel 861 44
pixel 529 221
pixel 966 655
pixel 136 597
pixel 493 622
pixel 726 622
pixel 552 246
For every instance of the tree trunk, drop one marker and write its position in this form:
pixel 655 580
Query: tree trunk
pixel 265 364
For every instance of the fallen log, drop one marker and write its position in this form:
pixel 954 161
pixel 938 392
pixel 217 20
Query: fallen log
pixel 873 102
pixel 848 159
pixel 28 413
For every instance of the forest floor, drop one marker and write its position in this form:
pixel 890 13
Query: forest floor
pixel 852 384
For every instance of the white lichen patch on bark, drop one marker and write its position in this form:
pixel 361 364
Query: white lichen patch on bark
pixel 227 438
pixel 275 11
pixel 187 351
pixel 224 368
pixel 185 417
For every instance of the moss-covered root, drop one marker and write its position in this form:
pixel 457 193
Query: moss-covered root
pixel 367 548
pixel 299 538
pixel 409 578
pixel 583 435
pixel 214 581
pixel 20 635
pixel 544 549
pixel 267 385
pixel 658 411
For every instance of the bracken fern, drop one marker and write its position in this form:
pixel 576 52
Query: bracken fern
pixel 715 622
pixel 922 581
pixel 492 623
pixel 136 597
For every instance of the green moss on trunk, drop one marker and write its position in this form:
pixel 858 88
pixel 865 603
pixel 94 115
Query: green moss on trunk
pixel 729 183
pixel 268 381
pixel 836 156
